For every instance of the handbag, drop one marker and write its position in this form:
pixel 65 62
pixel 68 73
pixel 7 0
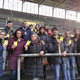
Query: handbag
pixel 45 62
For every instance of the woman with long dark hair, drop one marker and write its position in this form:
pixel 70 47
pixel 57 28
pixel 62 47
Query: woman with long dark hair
pixel 15 47
pixel 45 38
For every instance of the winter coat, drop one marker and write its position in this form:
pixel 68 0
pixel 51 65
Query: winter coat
pixel 14 53
pixel 75 43
pixel 33 65
pixel 45 38
pixel 68 49
pixel 8 31
pixel 53 48
pixel 28 33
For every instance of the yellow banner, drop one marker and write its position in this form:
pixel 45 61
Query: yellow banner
pixel 33 23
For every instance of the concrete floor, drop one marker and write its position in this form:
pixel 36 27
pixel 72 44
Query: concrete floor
pixel 49 75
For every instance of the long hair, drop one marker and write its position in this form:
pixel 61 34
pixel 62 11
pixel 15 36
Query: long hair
pixel 15 34
pixel 38 38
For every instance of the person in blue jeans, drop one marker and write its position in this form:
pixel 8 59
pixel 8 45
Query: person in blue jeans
pixel 57 71
pixel 56 46
pixel 1 53
pixel 76 48
pixel 68 46
pixel 70 65
pixel 15 47
pixel 1 61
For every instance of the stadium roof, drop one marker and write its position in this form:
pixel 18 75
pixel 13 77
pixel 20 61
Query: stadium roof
pixel 64 4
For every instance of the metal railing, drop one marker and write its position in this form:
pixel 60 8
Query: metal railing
pixel 37 55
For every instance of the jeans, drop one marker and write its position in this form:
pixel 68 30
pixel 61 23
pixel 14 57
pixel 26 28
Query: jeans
pixel 13 75
pixel 4 58
pixel 64 71
pixel 57 69
pixel 56 72
pixel 35 78
pixel 1 66
pixel 70 65
pixel 1 74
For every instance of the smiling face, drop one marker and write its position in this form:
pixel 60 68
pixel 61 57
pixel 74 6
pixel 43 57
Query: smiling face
pixel 55 32
pixel 2 35
pixel 76 32
pixel 18 34
pixel 42 30
pixel 9 25
pixel 24 24
pixel 33 37
pixel 37 27
pixel 46 27
pixel 31 27
pixel 67 34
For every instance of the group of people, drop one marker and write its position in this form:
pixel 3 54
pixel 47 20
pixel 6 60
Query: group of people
pixel 41 40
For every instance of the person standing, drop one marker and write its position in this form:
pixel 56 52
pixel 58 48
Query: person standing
pixel 37 29
pixel 47 30
pixel 1 55
pixel 8 33
pixel 4 44
pixel 45 38
pixel 8 29
pixel 68 46
pixel 33 65
pixel 15 47
pixel 26 31
pixel 77 48
pixel 75 39
pixel 57 46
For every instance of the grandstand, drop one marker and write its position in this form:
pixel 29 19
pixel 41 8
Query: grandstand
pixel 65 14
pixel 60 13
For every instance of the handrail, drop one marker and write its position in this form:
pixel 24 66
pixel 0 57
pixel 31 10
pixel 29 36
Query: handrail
pixel 37 55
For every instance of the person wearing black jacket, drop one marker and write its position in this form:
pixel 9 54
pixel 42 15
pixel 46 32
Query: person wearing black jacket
pixel 76 46
pixel 57 46
pixel 8 29
pixel 33 66
pixel 45 38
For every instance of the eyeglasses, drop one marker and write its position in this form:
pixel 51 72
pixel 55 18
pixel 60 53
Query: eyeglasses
pixel 33 36
pixel 2 34
pixel 19 33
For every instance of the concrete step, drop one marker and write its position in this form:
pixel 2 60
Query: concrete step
pixel 49 74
